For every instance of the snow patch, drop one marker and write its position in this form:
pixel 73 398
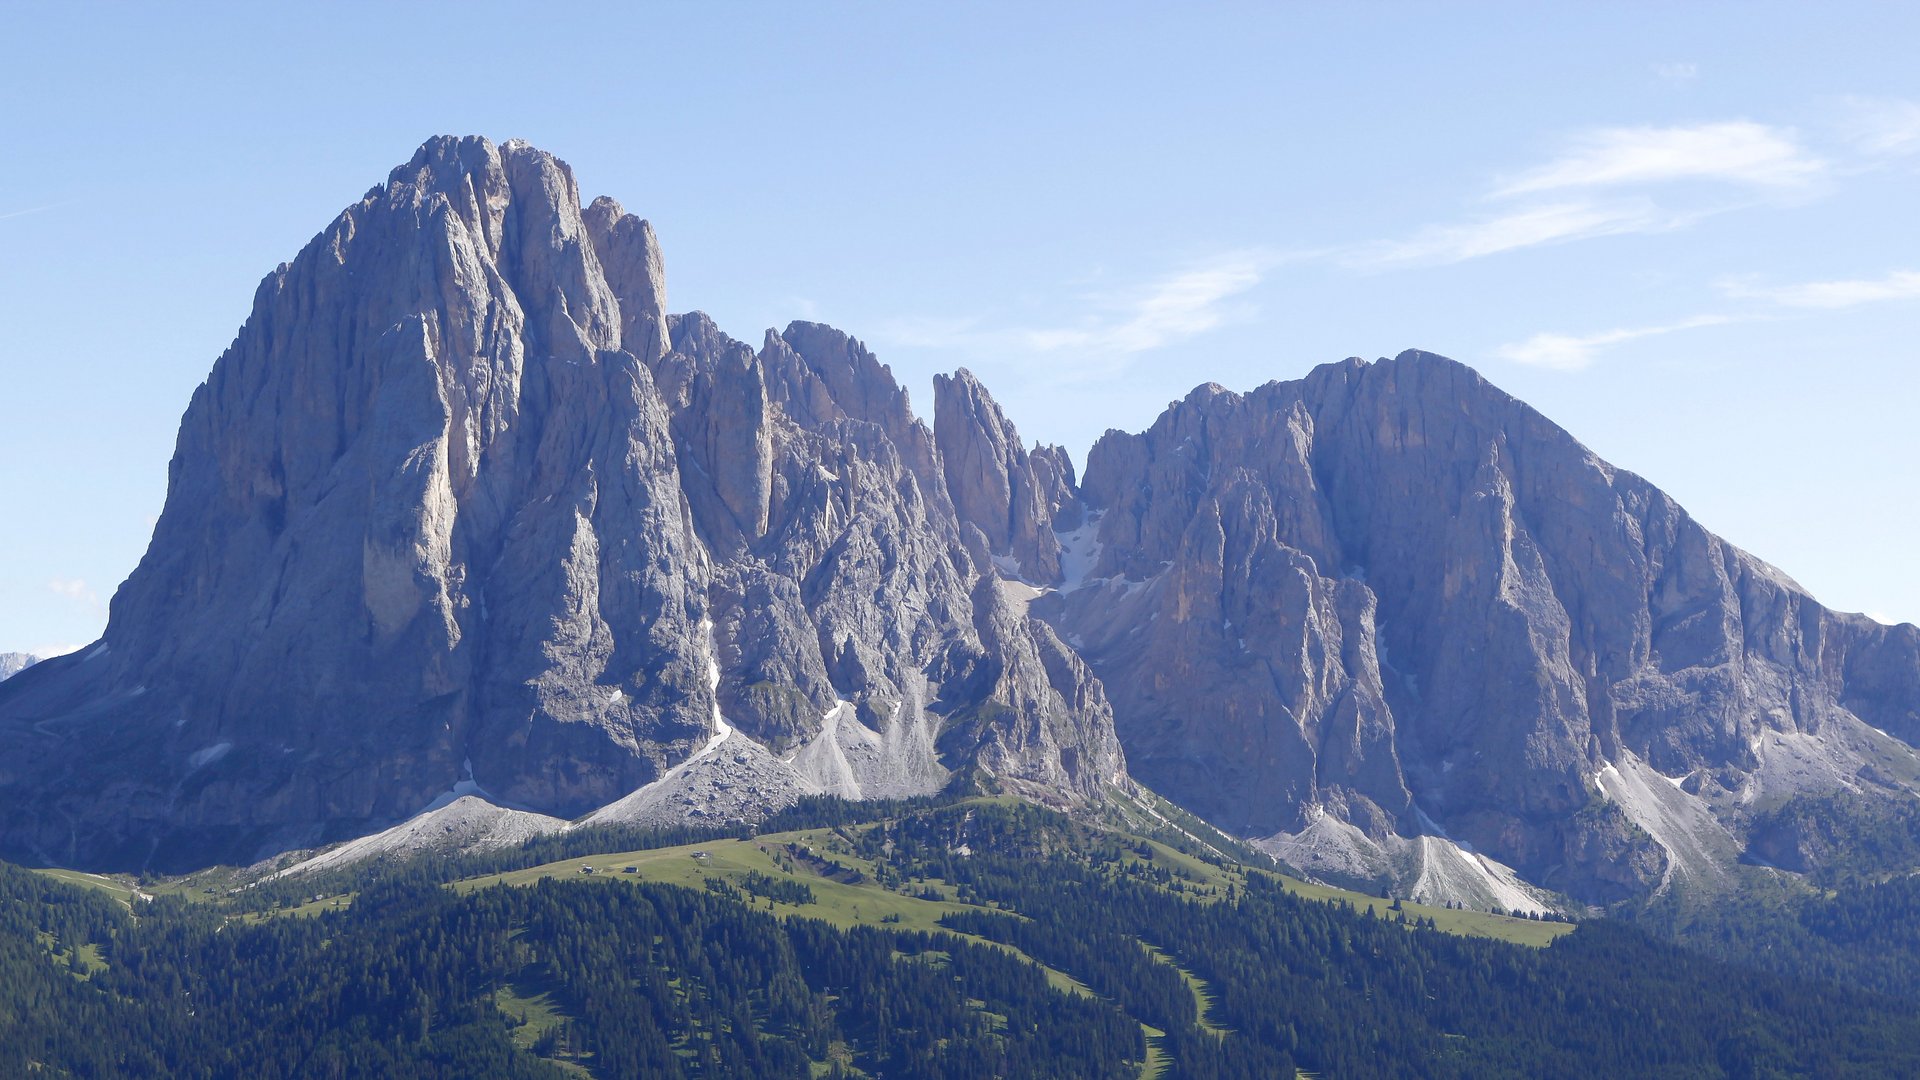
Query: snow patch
pixel 721 729
pixel 1079 552
pixel 462 788
pixel 209 755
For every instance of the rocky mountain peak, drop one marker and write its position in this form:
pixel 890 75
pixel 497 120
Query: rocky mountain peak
pixel 629 255
pixel 465 520
pixel 1389 602
pixel 1014 500
pixel 463 510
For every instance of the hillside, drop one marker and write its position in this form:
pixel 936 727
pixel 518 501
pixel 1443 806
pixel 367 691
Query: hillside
pixel 886 941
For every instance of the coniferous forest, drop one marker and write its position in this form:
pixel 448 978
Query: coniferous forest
pixel 1064 951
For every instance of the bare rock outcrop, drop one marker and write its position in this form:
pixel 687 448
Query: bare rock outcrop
pixel 466 534
pixel 462 500
pixel 1392 593
pixel 1014 499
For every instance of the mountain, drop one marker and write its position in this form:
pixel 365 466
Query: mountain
pixel 469 539
pixel 1388 604
pixel 463 513
pixel 13 663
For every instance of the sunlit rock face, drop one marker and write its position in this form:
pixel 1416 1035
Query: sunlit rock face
pixel 462 504
pixel 1392 596
pixel 466 522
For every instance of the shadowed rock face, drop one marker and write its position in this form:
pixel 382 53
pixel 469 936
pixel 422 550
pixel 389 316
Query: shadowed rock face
pixel 462 503
pixel 1391 592
pixel 465 516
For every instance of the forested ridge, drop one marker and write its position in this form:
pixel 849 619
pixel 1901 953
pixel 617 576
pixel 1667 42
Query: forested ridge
pixel 616 976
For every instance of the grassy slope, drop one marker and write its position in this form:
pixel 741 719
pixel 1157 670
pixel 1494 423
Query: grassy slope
pixel 118 889
pixel 841 904
pixel 867 903
pixel 862 903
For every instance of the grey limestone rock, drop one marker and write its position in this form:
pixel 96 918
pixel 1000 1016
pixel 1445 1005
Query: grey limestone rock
pixel 1392 593
pixel 1016 500
pixel 463 511
pixel 462 499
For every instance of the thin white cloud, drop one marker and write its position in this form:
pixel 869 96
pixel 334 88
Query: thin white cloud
pixel 1547 224
pixel 1567 198
pixel 1738 151
pixel 1568 352
pixel 1677 72
pixel 1182 305
pixel 1882 126
pixel 31 210
pixel 76 590
pixel 930 332
pixel 1898 285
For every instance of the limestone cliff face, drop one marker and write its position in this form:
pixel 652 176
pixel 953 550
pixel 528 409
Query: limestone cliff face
pixel 463 505
pixel 464 518
pixel 1393 594
pixel 1014 500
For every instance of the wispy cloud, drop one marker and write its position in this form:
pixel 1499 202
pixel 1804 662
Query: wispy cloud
pixel 1882 126
pixel 1603 183
pixel 77 591
pixel 1737 151
pixel 1182 304
pixel 930 331
pixel 1677 73
pixel 1898 285
pixel 1190 302
pixel 9 214
pixel 1568 352
pixel 1532 226
pixel 1571 352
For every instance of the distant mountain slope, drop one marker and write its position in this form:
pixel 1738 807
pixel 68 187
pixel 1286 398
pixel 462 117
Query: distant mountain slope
pixel 13 663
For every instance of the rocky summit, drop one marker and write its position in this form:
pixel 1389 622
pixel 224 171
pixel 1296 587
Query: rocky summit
pixel 462 512
pixel 1404 628
pixel 465 523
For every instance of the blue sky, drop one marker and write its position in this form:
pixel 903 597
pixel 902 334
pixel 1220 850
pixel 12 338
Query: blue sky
pixel 1685 232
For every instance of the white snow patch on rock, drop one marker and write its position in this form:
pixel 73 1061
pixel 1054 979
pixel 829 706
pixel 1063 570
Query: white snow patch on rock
pixel 1079 552
pixel 209 755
